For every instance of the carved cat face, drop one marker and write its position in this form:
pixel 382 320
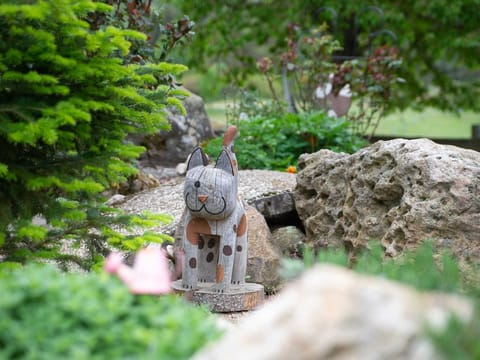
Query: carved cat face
pixel 210 192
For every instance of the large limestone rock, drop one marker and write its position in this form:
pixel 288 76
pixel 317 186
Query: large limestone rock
pixel 334 314
pixel 400 192
pixel 187 132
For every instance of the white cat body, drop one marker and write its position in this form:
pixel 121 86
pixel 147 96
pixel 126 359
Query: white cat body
pixel 215 232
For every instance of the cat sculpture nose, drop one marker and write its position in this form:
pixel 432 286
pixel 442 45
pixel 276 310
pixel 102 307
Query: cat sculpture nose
pixel 202 198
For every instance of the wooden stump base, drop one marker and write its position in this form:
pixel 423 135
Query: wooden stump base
pixel 244 297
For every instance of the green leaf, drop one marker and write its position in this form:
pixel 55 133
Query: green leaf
pixel 177 104
pixel 33 232
pixel 3 170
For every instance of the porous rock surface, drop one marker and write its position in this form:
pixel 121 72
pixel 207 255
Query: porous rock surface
pixel 333 313
pixel 400 192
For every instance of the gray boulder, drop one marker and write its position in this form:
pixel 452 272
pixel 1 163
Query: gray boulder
pixel 187 132
pixel 399 192
pixel 333 313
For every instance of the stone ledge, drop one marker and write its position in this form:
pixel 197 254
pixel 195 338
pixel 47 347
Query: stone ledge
pixel 275 208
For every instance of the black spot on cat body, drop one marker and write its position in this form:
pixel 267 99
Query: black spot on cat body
pixel 227 250
pixel 201 243
pixel 239 248
pixel 192 263
pixel 211 243
pixel 197 184
pixel 210 257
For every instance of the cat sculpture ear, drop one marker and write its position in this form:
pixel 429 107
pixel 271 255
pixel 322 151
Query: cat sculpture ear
pixel 224 162
pixel 197 158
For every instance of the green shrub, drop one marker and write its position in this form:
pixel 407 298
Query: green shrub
pixel 276 142
pixel 47 315
pixel 67 102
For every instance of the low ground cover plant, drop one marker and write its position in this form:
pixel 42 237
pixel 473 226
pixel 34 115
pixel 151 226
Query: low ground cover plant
pixel 46 314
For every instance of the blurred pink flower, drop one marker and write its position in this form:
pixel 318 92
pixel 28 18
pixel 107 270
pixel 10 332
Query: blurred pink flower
pixel 149 275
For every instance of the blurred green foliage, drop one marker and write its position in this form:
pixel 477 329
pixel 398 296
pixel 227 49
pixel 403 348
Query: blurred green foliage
pixel 438 41
pixel 46 315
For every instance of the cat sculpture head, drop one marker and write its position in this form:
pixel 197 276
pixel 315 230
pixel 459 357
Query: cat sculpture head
pixel 210 192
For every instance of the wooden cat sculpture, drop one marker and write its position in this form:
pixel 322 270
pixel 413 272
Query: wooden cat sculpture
pixel 215 231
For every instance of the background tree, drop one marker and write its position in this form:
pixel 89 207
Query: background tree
pixel 149 17
pixel 67 102
pixel 438 40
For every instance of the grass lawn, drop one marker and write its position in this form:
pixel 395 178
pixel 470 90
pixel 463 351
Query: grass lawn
pixel 431 123
pixel 216 113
